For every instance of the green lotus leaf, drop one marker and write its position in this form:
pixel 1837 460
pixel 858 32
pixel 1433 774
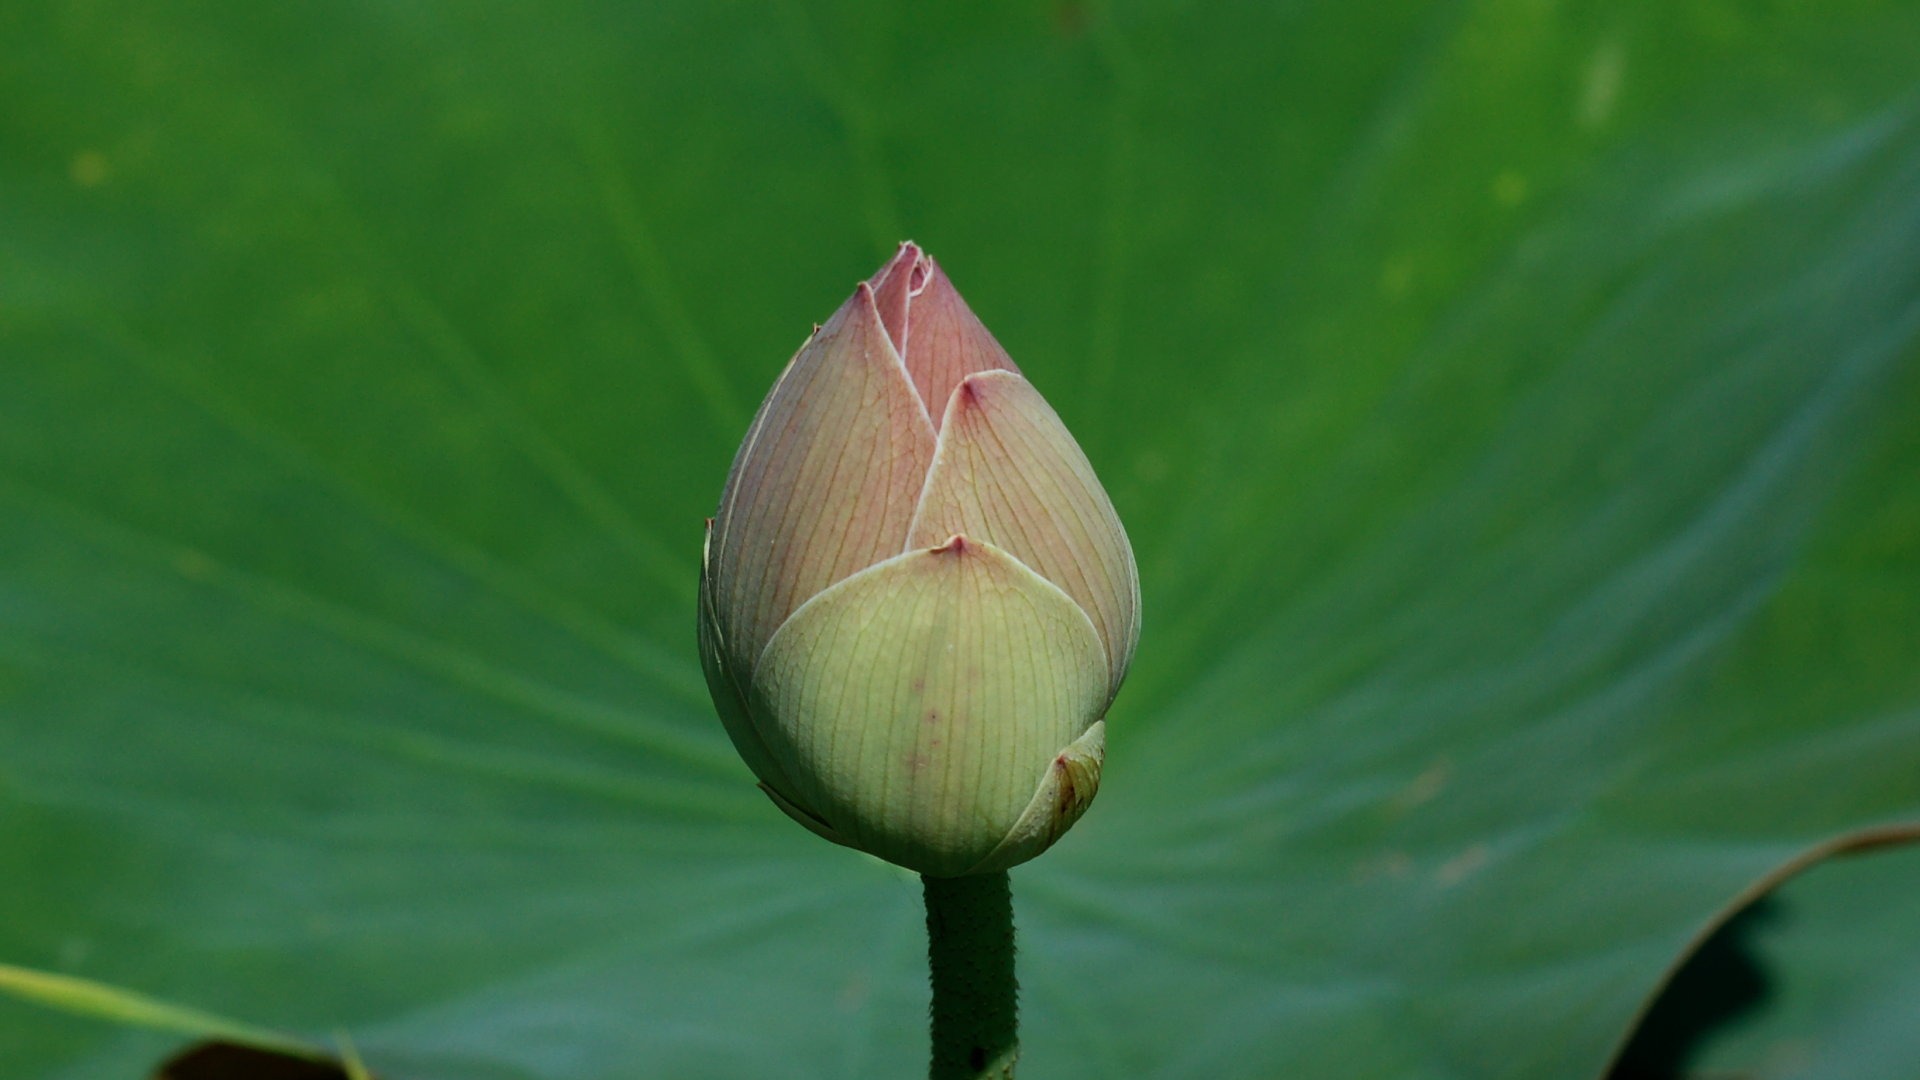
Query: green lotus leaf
pixel 1510 405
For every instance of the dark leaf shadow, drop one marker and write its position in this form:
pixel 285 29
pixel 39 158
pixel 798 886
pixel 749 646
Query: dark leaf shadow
pixel 1723 981
pixel 232 1061
pixel 1719 979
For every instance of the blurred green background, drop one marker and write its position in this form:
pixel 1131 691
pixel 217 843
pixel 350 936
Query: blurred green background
pixel 1513 404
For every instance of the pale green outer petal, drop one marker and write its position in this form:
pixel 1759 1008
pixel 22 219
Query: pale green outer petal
pixel 1008 472
pixel 1066 790
pixel 805 817
pixel 916 703
pixel 825 483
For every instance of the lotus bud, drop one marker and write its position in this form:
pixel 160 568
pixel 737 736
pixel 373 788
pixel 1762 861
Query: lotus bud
pixel 916 601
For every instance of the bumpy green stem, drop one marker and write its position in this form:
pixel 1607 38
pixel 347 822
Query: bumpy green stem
pixel 970 952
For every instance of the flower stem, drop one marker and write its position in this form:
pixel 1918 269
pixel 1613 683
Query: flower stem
pixel 970 954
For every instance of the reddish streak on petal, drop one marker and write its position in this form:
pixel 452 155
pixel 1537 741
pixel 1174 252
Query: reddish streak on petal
pixel 948 343
pixel 827 480
pixel 1008 473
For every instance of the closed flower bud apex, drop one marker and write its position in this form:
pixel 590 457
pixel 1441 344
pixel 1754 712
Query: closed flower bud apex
pixel 916 602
